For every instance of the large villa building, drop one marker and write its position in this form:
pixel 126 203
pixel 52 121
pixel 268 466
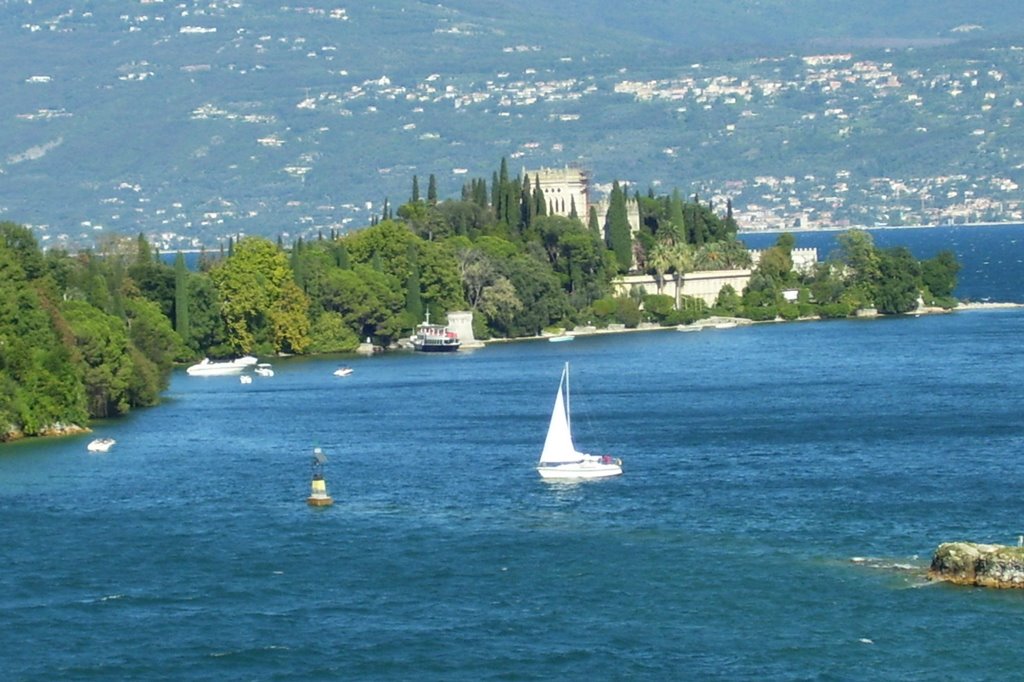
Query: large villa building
pixel 567 190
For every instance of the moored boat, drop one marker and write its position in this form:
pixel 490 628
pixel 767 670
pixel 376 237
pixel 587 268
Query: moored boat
pixel 208 368
pixel 434 338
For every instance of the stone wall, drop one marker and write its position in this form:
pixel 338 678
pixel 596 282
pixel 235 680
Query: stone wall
pixel 704 285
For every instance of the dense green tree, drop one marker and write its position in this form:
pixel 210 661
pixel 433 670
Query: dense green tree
pixel 24 249
pixel 249 284
pixel 103 345
pixel 370 302
pixel 150 332
pixel 939 274
pixel 439 278
pixel 41 378
pixel 897 288
pixel 499 303
pixel 857 251
pixel 329 334
pixel 413 297
pixel 540 293
pixel 289 319
pixel 207 329
pixel 181 297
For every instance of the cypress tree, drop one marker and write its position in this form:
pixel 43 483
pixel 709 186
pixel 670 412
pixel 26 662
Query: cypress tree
pixel 527 207
pixel 510 200
pixel 481 193
pixel 495 196
pixel 144 255
pixel 730 221
pixel 619 238
pixel 539 207
pixel 592 223
pixel 181 297
pixel 341 257
pixel 676 215
pixel 572 208
pixel 415 189
pixel 432 190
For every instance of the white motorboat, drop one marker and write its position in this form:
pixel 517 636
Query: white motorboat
pixel 209 368
pixel 560 338
pixel 342 371
pixel 264 369
pixel 560 459
pixel 100 445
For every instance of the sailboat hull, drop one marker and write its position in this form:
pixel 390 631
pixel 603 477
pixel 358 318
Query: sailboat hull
pixel 581 470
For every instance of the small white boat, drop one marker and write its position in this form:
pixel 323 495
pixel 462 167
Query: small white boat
pixel 245 379
pixel 100 445
pixel 209 368
pixel 342 371
pixel 689 328
pixel 264 369
pixel 560 459
pixel 725 325
pixel 560 338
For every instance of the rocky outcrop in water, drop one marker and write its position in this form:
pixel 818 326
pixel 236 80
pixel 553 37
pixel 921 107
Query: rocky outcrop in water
pixel 972 563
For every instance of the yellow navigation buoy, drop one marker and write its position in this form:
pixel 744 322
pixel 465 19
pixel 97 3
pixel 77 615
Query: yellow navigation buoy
pixel 318 496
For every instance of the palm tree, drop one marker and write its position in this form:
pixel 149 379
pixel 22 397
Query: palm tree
pixel 681 258
pixel 659 259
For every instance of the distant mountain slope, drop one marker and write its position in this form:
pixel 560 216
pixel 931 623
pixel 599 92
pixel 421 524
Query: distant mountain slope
pixel 193 120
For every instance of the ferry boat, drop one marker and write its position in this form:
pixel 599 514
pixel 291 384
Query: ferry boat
pixel 434 338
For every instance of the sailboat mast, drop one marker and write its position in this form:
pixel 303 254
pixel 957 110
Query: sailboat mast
pixel 568 412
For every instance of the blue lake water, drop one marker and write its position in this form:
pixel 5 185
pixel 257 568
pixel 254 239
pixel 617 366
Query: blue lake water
pixel 759 462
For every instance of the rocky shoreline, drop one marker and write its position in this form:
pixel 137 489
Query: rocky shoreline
pixel 58 429
pixel 718 322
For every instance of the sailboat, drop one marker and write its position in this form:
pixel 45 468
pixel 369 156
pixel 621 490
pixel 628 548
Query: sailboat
pixel 560 459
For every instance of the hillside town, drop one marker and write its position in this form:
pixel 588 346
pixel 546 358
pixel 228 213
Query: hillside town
pixel 822 141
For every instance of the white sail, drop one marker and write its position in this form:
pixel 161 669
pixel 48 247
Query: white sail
pixel 558 446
